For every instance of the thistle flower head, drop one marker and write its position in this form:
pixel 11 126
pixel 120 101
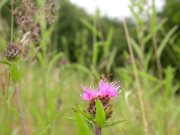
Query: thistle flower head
pixel 104 92
pixel 12 51
pixel 104 89
pixel 89 93
pixel 108 89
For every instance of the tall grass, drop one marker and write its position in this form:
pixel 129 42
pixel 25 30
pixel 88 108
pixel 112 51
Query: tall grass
pixel 48 87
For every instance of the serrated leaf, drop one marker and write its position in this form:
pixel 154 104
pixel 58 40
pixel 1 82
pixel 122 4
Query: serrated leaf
pixel 82 126
pixel 100 114
pixel 112 123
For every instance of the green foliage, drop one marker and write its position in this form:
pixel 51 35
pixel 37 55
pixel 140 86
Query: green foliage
pixel 84 41
pixel 165 40
pixel 81 124
pixel 88 116
pixel 113 123
pixel 2 3
pixel 15 72
pixel 100 114
pixel 93 45
pixel 171 53
pixel 171 11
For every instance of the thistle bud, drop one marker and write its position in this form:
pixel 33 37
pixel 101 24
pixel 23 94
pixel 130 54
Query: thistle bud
pixel 12 51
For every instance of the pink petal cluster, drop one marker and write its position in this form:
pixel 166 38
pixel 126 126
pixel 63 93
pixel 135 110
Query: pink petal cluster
pixel 104 89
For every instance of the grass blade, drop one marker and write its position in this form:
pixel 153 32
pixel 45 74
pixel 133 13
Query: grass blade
pixel 165 41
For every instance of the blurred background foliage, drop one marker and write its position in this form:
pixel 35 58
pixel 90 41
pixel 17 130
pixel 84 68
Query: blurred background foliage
pixel 78 46
pixel 76 32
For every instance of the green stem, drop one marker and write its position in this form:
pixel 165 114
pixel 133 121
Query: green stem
pixel 20 109
pixel 12 20
pixel 138 83
pixel 98 131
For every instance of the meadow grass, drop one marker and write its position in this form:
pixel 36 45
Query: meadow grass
pixel 49 88
pixel 45 110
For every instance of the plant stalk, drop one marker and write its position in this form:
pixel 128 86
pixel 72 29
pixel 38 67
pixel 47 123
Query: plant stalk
pixel 20 109
pixel 139 89
pixel 12 20
pixel 158 61
pixel 98 131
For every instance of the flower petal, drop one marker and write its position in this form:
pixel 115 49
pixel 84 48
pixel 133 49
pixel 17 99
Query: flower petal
pixel 106 88
pixel 89 93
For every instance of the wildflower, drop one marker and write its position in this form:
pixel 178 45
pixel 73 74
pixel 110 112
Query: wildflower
pixel 89 93
pixel 108 89
pixel 12 51
pixel 104 92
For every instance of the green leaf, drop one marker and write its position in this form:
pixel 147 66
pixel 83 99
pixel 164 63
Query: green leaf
pixel 70 118
pixel 165 41
pixel 136 16
pixel 168 81
pixel 100 114
pixel 148 59
pixel 108 43
pixel 158 27
pixel 82 126
pixel 87 115
pixel 148 76
pixel 50 67
pixel 111 60
pixel 137 48
pixel 6 62
pixel 91 27
pixel 2 3
pixel 15 73
pixel 153 17
pixel 112 123
pixel 155 90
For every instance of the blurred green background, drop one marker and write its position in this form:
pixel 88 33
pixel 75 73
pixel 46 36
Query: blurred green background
pixel 78 48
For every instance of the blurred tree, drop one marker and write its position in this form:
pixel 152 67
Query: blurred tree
pixel 171 11
pixel 70 25
pixel 171 55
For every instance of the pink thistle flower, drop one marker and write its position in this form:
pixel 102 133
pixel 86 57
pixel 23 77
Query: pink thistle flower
pixel 89 93
pixel 108 89
pixel 104 92
pixel 104 89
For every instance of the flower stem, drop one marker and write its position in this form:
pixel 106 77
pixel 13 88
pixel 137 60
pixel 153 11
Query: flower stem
pixel 12 20
pixel 20 109
pixel 139 90
pixel 98 131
